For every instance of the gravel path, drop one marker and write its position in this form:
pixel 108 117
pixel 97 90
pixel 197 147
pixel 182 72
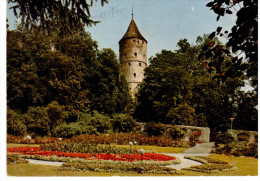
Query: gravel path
pixel 42 162
pixel 185 163
pixel 201 148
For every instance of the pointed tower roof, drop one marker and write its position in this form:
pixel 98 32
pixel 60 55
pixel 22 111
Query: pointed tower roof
pixel 133 32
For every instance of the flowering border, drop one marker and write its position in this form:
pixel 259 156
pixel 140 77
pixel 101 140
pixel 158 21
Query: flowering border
pixel 93 156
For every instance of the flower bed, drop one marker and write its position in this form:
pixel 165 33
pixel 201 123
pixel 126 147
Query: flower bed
pixel 117 138
pixel 211 165
pixel 205 160
pixel 98 156
pixel 81 160
pixel 211 168
pixel 112 168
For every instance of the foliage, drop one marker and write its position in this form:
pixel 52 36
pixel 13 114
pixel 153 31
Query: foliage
pixel 176 133
pixel 205 160
pixel 62 74
pixel 250 150
pixel 224 138
pixel 99 156
pixel 242 39
pixel 85 148
pixel 178 87
pixel 37 121
pixel 154 129
pixel 14 159
pixel 117 168
pixel 14 125
pixel 211 168
pixel 117 138
pixel 123 123
pixel 60 15
pixel 183 115
pixel 67 130
pixel 96 161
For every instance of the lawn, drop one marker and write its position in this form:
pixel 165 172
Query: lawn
pixel 246 166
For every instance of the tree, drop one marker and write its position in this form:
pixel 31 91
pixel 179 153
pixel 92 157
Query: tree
pixel 242 45
pixel 177 88
pixel 69 70
pixel 63 16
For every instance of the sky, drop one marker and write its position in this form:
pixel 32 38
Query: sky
pixel 162 22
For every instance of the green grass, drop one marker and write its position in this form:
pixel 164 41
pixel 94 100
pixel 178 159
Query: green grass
pixel 10 145
pixel 245 166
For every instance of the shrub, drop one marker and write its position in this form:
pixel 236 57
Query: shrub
pixel 67 130
pixel 154 129
pixel 252 150
pixel 56 114
pixel 14 125
pixel 183 115
pixel 123 123
pixel 37 121
pixel 101 122
pixel 176 133
pixel 224 138
pixel 14 159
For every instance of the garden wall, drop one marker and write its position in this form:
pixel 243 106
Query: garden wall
pixel 203 138
pixel 251 135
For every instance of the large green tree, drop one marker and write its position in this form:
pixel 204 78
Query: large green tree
pixel 178 89
pixel 70 70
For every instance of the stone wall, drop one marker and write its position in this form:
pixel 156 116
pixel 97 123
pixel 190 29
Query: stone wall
pixel 250 134
pixel 203 138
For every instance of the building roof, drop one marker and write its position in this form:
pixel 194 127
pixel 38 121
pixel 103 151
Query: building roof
pixel 133 32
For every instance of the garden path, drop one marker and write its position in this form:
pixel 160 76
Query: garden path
pixel 201 148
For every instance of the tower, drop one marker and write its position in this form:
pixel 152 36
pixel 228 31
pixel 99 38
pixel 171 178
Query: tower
pixel 133 56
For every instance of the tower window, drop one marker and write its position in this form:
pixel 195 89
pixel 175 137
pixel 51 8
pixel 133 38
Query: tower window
pixel 134 40
pixel 135 54
pixel 125 54
pixel 134 74
pixel 140 64
pixel 129 63
pixel 144 55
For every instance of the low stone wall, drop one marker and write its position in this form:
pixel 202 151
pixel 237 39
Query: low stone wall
pixel 250 134
pixel 203 138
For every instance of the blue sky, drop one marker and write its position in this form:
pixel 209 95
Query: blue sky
pixel 162 22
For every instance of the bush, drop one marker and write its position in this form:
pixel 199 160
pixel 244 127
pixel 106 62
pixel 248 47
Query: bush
pixel 56 114
pixel 224 138
pixel 176 133
pixel 14 125
pixel 252 150
pixel 101 122
pixel 123 123
pixel 67 130
pixel 154 129
pixel 37 121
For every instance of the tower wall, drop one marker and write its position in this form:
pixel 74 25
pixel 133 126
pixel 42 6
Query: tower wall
pixel 133 61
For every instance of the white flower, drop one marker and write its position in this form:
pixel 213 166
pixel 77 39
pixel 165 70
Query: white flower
pixel 135 142
pixel 60 139
pixel 130 143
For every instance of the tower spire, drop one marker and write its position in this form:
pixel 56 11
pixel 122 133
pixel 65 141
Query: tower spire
pixel 132 11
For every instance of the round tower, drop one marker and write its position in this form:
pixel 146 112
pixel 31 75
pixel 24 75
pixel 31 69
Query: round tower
pixel 133 56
